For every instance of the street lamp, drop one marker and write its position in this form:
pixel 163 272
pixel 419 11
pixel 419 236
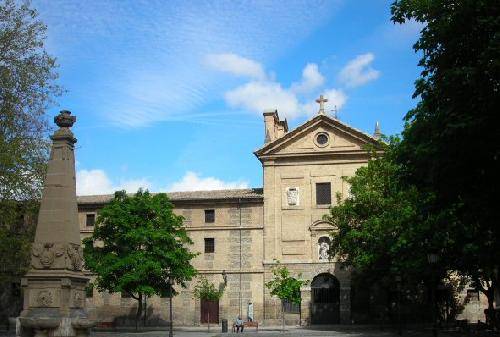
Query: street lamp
pixel 399 280
pixel 433 259
pixel 171 328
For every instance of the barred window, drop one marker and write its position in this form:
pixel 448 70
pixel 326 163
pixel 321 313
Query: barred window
pixel 90 221
pixel 290 307
pixel 209 245
pixel 209 215
pixel 323 194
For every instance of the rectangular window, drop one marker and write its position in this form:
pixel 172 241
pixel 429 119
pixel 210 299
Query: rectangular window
pixel 209 215
pixel 90 222
pixel 290 307
pixel 323 194
pixel 209 245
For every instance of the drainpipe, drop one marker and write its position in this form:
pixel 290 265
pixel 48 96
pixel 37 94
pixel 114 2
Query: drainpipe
pixel 239 206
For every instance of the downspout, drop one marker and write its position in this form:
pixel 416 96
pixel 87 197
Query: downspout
pixel 239 206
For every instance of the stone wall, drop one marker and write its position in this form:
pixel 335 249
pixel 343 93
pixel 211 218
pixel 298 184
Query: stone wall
pixel 237 231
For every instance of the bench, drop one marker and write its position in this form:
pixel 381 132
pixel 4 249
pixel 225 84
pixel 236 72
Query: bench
pixel 105 324
pixel 248 324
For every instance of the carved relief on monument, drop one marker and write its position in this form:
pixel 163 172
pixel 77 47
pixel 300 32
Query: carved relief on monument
pixel 44 298
pixel 292 196
pixel 75 256
pixel 78 299
pixel 45 254
pixel 50 255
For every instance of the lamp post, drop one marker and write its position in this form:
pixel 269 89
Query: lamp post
pixel 433 258
pixel 171 328
pixel 398 286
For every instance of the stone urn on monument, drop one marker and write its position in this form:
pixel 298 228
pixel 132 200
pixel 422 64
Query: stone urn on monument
pixel 54 287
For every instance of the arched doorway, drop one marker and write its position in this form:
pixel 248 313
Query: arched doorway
pixel 325 299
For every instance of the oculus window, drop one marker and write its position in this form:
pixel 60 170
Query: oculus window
pixel 322 139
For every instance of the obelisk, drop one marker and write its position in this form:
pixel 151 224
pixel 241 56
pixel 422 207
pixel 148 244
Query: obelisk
pixel 54 287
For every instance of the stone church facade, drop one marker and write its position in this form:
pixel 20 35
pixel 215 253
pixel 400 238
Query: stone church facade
pixel 243 233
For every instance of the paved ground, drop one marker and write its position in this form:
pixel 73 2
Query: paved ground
pixel 293 332
pixel 289 333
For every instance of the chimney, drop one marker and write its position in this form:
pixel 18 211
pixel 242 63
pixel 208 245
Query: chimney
pixel 274 128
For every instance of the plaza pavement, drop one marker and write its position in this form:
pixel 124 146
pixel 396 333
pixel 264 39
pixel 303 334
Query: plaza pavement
pixel 275 332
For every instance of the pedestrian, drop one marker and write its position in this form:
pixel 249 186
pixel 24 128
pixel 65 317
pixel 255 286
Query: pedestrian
pixel 239 324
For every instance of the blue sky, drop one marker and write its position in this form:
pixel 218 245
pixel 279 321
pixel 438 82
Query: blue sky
pixel 169 94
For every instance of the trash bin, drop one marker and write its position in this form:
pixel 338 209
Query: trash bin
pixel 224 325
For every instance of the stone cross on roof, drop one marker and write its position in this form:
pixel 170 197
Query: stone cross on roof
pixel 321 100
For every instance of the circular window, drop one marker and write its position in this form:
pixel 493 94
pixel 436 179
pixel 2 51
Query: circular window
pixel 322 139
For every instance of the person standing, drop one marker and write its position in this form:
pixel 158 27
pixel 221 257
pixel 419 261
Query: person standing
pixel 250 311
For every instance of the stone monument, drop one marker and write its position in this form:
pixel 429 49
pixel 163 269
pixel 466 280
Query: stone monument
pixel 54 287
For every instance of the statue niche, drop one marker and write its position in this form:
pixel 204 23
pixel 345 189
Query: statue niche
pixel 323 248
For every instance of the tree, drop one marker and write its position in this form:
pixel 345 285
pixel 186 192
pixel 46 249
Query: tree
pixel 27 88
pixel 378 227
pixel 380 231
pixel 449 144
pixel 139 247
pixel 285 287
pixel 204 290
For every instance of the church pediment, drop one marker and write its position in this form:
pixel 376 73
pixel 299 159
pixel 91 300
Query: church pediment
pixel 322 134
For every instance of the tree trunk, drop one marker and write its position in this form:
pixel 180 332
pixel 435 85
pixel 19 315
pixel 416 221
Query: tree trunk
pixel 144 317
pixel 139 311
pixel 490 314
pixel 283 316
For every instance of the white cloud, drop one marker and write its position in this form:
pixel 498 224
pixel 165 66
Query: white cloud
pixel 194 182
pixel 236 65
pixel 149 68
pixel 260 96
pixel 359 71
pixel 92 182
pixel 336 100
pixel 311 79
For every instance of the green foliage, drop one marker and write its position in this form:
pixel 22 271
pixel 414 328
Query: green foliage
pixel 89 290
pixel 139 246
pixel 449 144
pixel 27 88
pixel 378 227
pixel 284 285
pixel 204 290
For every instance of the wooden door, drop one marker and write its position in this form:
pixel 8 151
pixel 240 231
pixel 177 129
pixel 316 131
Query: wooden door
pixel 209 310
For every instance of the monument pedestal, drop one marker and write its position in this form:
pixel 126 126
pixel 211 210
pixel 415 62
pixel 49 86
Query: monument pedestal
pixel 54 287
pixel 56 305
